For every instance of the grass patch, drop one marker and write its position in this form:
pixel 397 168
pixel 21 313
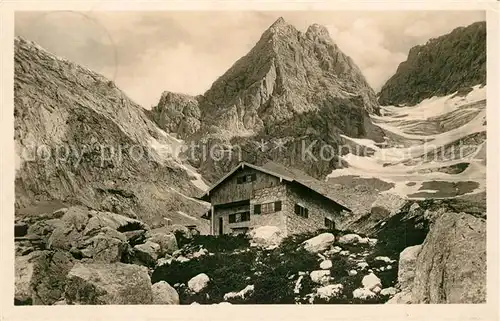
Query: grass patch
pixel 274 273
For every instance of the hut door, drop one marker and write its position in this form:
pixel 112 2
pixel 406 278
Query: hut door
pixel 221 226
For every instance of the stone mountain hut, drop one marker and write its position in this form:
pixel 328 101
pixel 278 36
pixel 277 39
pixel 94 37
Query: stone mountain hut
pixel 250 196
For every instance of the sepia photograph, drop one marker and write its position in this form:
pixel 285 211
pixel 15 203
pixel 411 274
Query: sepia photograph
pixel 250 157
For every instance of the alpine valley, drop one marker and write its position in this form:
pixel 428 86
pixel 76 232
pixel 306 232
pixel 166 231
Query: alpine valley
pixel 95 224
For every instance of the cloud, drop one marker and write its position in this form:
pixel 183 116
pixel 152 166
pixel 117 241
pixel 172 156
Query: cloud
pixel 364 43
pixel 180 69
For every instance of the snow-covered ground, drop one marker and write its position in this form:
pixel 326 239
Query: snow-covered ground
pixel 414 169
pixel 187 215
pixel 168 147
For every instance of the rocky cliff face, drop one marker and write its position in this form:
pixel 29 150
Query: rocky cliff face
pixel 80 140
pixel 177 113
pixel 298 88
pixel 285 74
pixel 440 67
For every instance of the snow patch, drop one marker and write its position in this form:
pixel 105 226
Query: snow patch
pixel 388 164
pixel 187 215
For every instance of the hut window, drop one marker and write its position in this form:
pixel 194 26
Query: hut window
pixel 329 224
pixel 239 217
pixel 246 178
pixel 267 208
pixel 301 211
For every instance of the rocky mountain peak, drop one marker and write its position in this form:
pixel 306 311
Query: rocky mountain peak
pixel 282 76
pixel 280 23
pixel 317 31
pixel 278 34
pixel 290 84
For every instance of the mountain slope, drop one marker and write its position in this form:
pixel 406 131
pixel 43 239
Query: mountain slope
pixel 292 87
pixel 95 146
pixel 285 74
pixel 440 67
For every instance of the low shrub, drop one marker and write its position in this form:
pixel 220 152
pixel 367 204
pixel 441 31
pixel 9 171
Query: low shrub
pixel 215 243
pixel 279 273
pixel 233 265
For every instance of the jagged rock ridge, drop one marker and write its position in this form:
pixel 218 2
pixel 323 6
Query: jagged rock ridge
pixel 291 86
pixel 440 67
pixel 282 76
pixel 95 146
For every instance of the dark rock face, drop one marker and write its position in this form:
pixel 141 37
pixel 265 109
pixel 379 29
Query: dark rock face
pixel 80 140
pixel 40 277
pixel 295 88
pixel 20 229
pixel 442 66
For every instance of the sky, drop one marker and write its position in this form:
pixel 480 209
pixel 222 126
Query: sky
pixel 147 53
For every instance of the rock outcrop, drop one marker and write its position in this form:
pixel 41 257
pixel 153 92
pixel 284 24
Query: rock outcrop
pixel 164 293
pixel 319 243
pixel 451 267
pixel 453 62
pixel 82 256
pixel 177 113
pixel 266 236
pixel 406 274
pixel 40 277
pixel 117 283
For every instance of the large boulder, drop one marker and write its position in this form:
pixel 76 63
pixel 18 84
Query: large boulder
pixel 371 281
pixel 326 265
pixel 240 295
pixel 319 243
pixel 107 246
pixel 386 205
pixel 353 239
pixel 167 242
pixel 23 279
pixel 177 230
pixel 40 277
pixel 164 293
pixel 330 291
pixel 69 231
pixel 64 238
pixel 451 266
pixel 104 283
pixel 43 229
pixel 135 237
pixel 115 221
pixel 198 282
pixel 77 217
pixel 147 253
pixel 320 276
pixel 363 294
pixel 266 236
pixel 407 264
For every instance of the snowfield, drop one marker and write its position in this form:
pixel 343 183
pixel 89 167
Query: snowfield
pixel 439 151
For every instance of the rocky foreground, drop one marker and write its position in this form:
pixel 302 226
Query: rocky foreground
pixel 422 252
